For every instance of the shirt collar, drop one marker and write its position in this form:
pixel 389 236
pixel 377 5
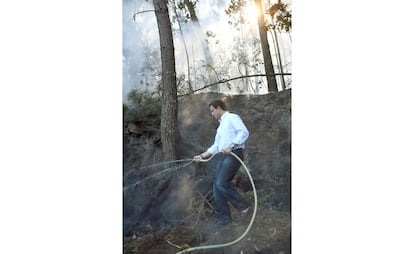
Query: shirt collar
pixel 223 115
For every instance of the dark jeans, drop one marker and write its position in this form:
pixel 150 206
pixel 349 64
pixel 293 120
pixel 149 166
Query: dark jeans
pixel 223 190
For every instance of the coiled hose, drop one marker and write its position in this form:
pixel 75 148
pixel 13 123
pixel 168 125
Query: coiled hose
pixel 251 220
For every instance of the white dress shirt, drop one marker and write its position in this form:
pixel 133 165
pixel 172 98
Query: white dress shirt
pixel 231 130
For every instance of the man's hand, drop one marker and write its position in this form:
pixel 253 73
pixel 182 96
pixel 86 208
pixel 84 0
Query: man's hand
pixel 227 150
pixel 197 158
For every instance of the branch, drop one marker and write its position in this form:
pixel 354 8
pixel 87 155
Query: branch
pixel 140 12
pixel 240 77
pixel 205 200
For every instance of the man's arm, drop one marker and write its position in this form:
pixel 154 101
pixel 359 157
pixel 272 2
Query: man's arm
pixel 241 129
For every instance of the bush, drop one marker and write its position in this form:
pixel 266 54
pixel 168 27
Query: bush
pixel 143 109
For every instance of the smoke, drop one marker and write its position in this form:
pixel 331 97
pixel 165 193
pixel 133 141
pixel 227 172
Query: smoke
pixel 140 45
pixel 184 190
pixel 211 50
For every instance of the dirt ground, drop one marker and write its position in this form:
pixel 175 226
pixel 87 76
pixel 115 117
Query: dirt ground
pixel 270 233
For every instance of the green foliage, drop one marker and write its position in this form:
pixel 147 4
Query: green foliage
pixel 233 11
pixel 143 109
pixel 282 15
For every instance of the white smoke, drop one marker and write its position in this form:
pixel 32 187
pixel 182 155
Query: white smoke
pixel 212 42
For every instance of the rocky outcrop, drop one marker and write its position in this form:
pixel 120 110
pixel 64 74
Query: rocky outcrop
pixel 157 202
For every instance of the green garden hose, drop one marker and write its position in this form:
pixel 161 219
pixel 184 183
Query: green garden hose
pixel 251 220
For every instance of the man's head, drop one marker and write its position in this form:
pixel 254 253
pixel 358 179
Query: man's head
pixel 217 108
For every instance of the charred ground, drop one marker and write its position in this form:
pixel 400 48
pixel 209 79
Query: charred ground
pixel 175 209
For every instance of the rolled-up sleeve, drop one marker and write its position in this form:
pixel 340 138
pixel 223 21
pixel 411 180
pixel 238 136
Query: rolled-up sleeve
pixel 241 130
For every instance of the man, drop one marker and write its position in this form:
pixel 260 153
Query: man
pixel 230 137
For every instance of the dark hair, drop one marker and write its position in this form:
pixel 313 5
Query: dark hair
pixel 217 103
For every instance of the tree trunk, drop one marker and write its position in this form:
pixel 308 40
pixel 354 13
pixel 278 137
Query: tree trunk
pixel 279 61
pixel 267 57
pixel 169 131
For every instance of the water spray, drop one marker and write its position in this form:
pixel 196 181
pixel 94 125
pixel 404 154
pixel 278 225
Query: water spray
pixel 189 161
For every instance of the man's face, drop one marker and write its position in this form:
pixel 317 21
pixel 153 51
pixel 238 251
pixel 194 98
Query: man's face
pixel 215 112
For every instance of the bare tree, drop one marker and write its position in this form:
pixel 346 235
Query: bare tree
pixel 198 31
pixel 169 129
pixel 179 20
